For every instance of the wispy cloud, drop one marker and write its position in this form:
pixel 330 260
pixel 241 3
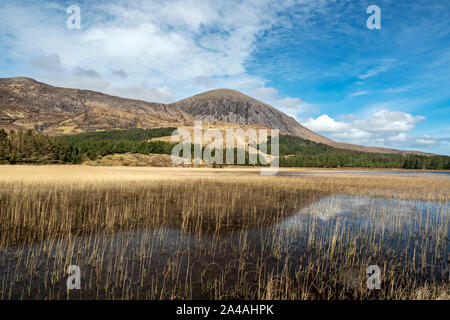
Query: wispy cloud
pixel 398 89
pixel 383 66
pixel 360 93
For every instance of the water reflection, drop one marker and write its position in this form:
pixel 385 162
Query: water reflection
pixel 327 241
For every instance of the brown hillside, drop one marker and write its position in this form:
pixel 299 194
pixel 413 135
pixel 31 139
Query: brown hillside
pixel 29 104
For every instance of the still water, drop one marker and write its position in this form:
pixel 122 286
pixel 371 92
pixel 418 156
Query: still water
pixel 409 173
pixel 336 236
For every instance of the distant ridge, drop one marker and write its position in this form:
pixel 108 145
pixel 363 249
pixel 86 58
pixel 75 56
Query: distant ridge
pixel 28 104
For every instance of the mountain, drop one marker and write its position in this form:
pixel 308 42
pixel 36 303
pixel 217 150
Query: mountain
pixel 28 104
pixel 236 107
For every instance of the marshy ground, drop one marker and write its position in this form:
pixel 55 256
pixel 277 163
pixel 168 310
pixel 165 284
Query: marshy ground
pixel 186 233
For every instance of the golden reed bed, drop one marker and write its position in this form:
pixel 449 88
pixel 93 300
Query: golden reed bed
pixel 422 188
pixel 187 233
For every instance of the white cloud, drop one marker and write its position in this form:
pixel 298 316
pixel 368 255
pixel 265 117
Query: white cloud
pixel 384 128
pixel 160 94
pixel 347 117
pixel 295 104
pixel 265 94
pixel 120 73
pixel 388 121
pixel 325 124
pixel 157 44
pixel 353 134
pixel 206 81
pixel 51 62
pixel 401 137
pixel 290 105
pixel 90 73
pixel 79 81
pixel 427 141
pixel 185 46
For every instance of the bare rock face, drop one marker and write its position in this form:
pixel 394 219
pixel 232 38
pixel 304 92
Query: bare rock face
pixel 235 107
pixel 29 104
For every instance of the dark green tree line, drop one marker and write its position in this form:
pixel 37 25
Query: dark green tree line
pixel 27 147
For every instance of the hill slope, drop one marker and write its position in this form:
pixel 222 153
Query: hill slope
pixel 233 106
pixel 29 104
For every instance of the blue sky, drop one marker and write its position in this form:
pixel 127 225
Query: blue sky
pixel 316 60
